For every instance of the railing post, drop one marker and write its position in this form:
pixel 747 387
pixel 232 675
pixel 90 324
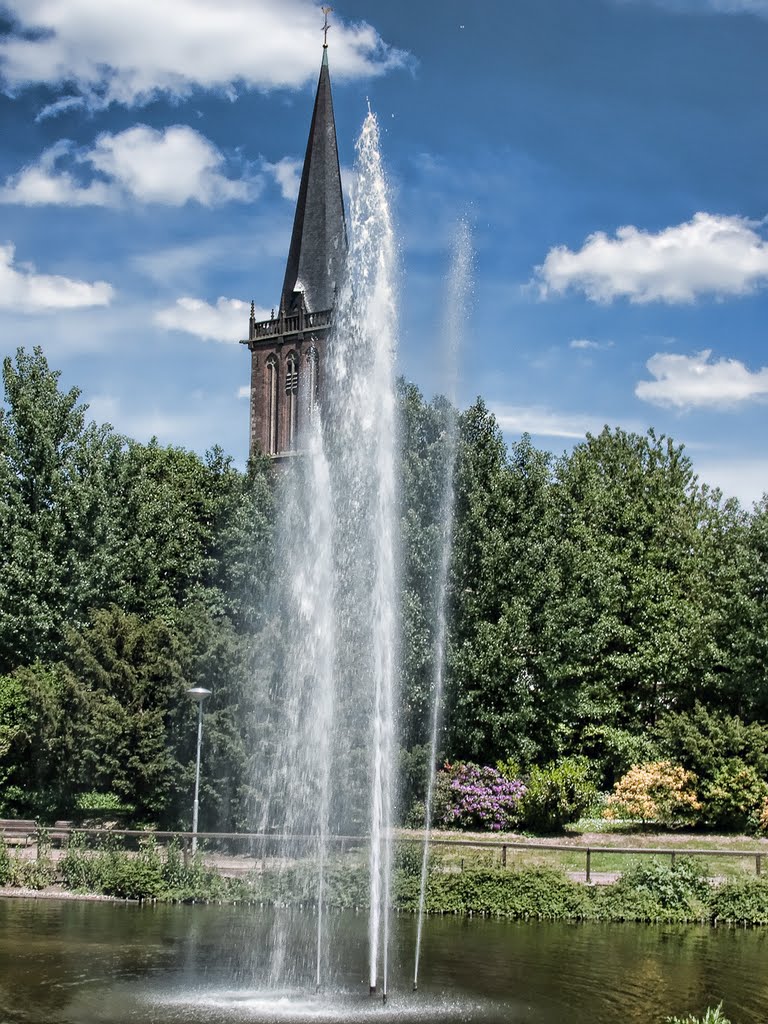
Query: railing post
pixel 589 866
pixel 758 864
pixel 504 856
pixel 673 858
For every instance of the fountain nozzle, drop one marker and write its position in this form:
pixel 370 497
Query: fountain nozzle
pixel 372 990
pixel 384 999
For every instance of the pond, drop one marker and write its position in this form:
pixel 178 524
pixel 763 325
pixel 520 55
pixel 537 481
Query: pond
pixel 76 962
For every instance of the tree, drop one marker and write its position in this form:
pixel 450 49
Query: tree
pixel 425 432
pixel 499 583
pixel 629 632
pixel 55 511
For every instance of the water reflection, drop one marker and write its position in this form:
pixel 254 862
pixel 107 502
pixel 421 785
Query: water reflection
pixel 100 963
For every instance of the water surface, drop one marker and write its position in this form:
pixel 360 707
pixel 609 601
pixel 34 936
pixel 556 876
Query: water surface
pixel 102 963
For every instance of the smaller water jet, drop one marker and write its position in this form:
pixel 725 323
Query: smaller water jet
pixel 459 284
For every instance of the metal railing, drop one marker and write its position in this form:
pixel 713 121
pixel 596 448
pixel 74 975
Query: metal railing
pixel 281 325
pixel 589 851
pixel 261 844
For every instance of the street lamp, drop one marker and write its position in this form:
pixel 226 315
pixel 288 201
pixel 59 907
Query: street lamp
pixel 197 693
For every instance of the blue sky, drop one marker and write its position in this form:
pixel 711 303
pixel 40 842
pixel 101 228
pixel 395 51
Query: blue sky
pixel 610 156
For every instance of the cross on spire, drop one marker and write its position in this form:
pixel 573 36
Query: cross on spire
pixel 326 11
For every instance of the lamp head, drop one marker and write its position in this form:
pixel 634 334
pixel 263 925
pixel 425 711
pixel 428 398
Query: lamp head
pixel 198 693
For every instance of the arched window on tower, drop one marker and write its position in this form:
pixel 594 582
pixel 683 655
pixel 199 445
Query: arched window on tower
pixel 291 391
pixel 272 395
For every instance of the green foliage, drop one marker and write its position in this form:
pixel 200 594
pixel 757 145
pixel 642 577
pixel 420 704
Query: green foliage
pixel 408 859
pixel 671 886
pixel 102 802
pixel 413 769
pixel 730 759
pixel 533 893
pixel 7 873
pixel 557 794
pixel 703 740
pixel 56 512
pixel 712 1015
pixel 742 902
pixel 612 751
pixel 501 584
pixel 593 600
pixel 21 872
pixel 149 874
pixel 734 796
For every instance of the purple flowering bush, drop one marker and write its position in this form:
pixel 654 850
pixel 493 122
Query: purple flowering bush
pixel 469 796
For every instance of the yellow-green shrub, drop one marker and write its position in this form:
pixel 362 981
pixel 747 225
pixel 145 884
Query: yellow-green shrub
pixel 658 791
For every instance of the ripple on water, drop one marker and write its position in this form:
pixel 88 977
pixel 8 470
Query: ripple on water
pixel 262 1007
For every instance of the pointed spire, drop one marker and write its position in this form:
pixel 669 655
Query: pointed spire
pixel 319 238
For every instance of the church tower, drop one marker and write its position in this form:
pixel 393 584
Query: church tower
pixel 287 351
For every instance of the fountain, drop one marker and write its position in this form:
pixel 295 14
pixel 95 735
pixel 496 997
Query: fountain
pixel 332 773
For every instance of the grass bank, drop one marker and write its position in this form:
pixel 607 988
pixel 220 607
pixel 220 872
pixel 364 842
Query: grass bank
pixel 649 891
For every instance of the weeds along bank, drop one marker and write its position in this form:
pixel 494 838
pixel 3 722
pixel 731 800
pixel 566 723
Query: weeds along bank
pixel 649 892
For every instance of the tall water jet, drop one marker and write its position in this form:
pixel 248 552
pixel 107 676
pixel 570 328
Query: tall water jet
pixel 298 807
pixel 362 436
pixel 459 285
pixel 333 766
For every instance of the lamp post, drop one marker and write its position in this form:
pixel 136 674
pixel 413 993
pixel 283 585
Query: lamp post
pixel 198 694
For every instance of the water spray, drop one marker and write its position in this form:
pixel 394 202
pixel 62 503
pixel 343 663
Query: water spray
pixel 459 282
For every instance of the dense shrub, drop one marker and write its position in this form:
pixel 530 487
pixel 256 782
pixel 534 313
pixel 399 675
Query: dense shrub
pixel 703 741
pixel 734 796
pixel 149 874
pixel 655 792
pixel 744 901
pixel 759 819
pixel 468 796
pixel 671 885
pixel 23 873
pixel 6 864
pixel 557 794
pixel 612 751
pixel 533 892
pixel 652 891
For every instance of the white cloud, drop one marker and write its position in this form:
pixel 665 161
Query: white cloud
pixel 226 321
pixel 22 290
pixel 128 51
pixel 287 174
pixel 59 106
pixel 244 391
pixel 535 419
pixel 585 343
pixel 173 166
pixel 709 254
pixel 691 381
